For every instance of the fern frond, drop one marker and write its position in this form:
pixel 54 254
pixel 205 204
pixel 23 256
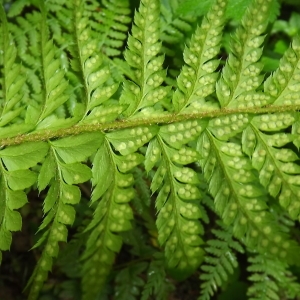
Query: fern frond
pixel 60 170
pixel 142 187
pixel 128 282
pixel 142 201
pixel 271 279
pixel 87 62
pixel 113 20
pixel 198 78
pixel 28 40
pixel 174 27
pixel 240 199
pixel 241 74
pixel 12 82
pixel 11 79
pixel 113 185
pixel 15 162
pixel 156 285
pixel 272 157
pixel 174 30
pixel 16 7
pixel 267 143
pixel 54 84
pixel 145 90
pixel 283 85
pixel 178 198
pixel 220 261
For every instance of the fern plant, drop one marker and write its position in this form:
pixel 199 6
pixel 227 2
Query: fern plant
pixel 167 162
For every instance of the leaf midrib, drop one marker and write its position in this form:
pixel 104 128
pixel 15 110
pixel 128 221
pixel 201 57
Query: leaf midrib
pixel 43 135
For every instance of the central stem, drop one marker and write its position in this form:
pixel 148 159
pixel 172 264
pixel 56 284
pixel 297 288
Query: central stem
pixel 43 135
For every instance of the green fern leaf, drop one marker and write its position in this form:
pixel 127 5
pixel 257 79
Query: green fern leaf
pixel 12 82
pixel 16 7
pixel 241 74
pixel 23 156
pixel 53 80
pixel 284 87
pixel 60 170
pixel 239 198
pixel 197 78
pixel 115 17
pixel 174 25
pixel 276 164
pixel 177 227
pixel 87 62
pixel 220 261
pixel 144 45
pixel 112 215
pixel 157 285
pixel 128 141
pixel 15 177
pixel 277 275
pixel 128 282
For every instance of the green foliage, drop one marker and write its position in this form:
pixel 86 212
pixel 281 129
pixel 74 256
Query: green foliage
pixel 128 282
pixel 271 279
pixel 154 139
pixel 157 285
pixel 235 11
pixel 220 261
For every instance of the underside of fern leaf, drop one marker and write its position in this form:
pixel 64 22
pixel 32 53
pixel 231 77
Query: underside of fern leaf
pixel 90 107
